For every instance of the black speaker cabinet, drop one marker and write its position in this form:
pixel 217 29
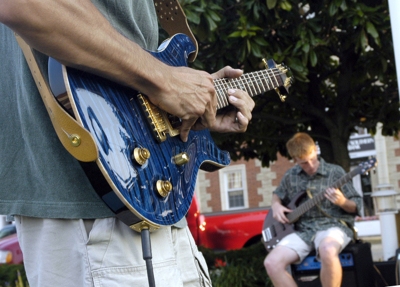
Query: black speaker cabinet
pixel 356 261
pixel 385 274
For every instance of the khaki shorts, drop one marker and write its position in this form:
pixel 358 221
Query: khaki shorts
pixel 106 252
pixel 294 242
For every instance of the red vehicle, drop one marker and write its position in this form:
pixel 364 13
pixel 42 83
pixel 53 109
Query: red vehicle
pixel 226 230
pixel 10 251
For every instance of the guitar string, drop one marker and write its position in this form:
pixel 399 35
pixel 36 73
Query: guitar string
pixel 247 83
pixel 304 207
pixel 223 82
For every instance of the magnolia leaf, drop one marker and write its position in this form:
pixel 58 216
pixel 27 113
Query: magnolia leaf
pixel 271 4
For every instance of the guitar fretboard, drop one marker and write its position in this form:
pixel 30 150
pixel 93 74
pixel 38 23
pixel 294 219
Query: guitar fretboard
pixel 253 83
pixel 306 206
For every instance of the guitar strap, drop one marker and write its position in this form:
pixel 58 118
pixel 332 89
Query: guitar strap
pixel 75 139
pixel 353 228
pixel 172 19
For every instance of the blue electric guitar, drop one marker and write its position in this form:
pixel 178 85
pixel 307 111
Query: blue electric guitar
pixel 144 172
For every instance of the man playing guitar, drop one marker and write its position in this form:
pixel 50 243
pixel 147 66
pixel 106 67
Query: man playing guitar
pixel 321 228
pixel 68 235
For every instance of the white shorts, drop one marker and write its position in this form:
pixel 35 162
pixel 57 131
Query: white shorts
pixel 294 242
pixel 106 253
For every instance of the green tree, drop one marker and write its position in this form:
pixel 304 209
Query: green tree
pixel 339 52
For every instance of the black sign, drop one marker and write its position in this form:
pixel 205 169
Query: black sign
pixel 361 146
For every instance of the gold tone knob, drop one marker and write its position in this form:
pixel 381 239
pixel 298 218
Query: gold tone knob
pixel 75 140
pixel 141 155
pixel 181 159
pixel 163 187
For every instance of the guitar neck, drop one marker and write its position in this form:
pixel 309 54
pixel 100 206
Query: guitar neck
pixel 306 206
pixel 253 83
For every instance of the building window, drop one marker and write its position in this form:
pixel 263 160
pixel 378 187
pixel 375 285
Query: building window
pixel 233 187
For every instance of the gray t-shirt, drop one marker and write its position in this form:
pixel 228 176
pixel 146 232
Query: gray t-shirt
pixel 38 177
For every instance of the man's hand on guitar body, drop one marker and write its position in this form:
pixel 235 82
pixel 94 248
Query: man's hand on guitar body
pixel 188 94
pixel 279 212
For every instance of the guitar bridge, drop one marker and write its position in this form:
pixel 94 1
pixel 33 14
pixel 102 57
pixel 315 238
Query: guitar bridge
pixel 160 121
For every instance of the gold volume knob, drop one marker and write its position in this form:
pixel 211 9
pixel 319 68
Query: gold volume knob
pixel 181 159
pixel 163 187
pixel 141 155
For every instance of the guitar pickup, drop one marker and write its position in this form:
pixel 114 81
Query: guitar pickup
pixel 161 122
pixel 266 233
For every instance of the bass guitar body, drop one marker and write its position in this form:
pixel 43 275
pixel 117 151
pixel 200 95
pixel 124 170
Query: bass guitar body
pixel 273 231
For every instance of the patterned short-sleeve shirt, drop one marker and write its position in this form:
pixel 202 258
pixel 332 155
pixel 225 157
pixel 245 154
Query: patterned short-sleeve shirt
pixel 296 181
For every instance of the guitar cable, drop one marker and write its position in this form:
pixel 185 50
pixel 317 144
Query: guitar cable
pixel 147 256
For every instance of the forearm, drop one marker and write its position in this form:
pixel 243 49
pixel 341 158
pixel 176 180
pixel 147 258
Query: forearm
pixel 276 205
pixel 77 34
pixel 349 206
pixel 275 199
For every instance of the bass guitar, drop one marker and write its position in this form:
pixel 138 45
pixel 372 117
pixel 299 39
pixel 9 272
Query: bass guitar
pixel 273 231
pixel 146 171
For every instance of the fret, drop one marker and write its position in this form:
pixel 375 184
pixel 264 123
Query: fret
pixel 242 85
pixel 268 81
pixel 272 77
pixel 230 83
pixel 219 94
pixel 220 99
pixel 250 84
pixel 260 84
pixel 257 81
pixel 221 85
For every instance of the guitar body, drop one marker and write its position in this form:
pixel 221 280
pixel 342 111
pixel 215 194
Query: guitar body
pixel 273 231
pixel 119 124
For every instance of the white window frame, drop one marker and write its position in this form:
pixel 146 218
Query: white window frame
pixel 223 180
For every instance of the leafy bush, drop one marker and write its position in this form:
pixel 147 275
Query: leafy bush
pixel 239 268
pixel 13 275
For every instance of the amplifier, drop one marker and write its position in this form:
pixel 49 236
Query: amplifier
pixel 356 261
pixel 311 262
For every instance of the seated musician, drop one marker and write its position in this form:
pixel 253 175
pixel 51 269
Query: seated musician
pixel 321 228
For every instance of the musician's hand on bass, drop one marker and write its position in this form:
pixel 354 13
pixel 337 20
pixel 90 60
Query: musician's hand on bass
pixel 279 212
pixel 335 196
